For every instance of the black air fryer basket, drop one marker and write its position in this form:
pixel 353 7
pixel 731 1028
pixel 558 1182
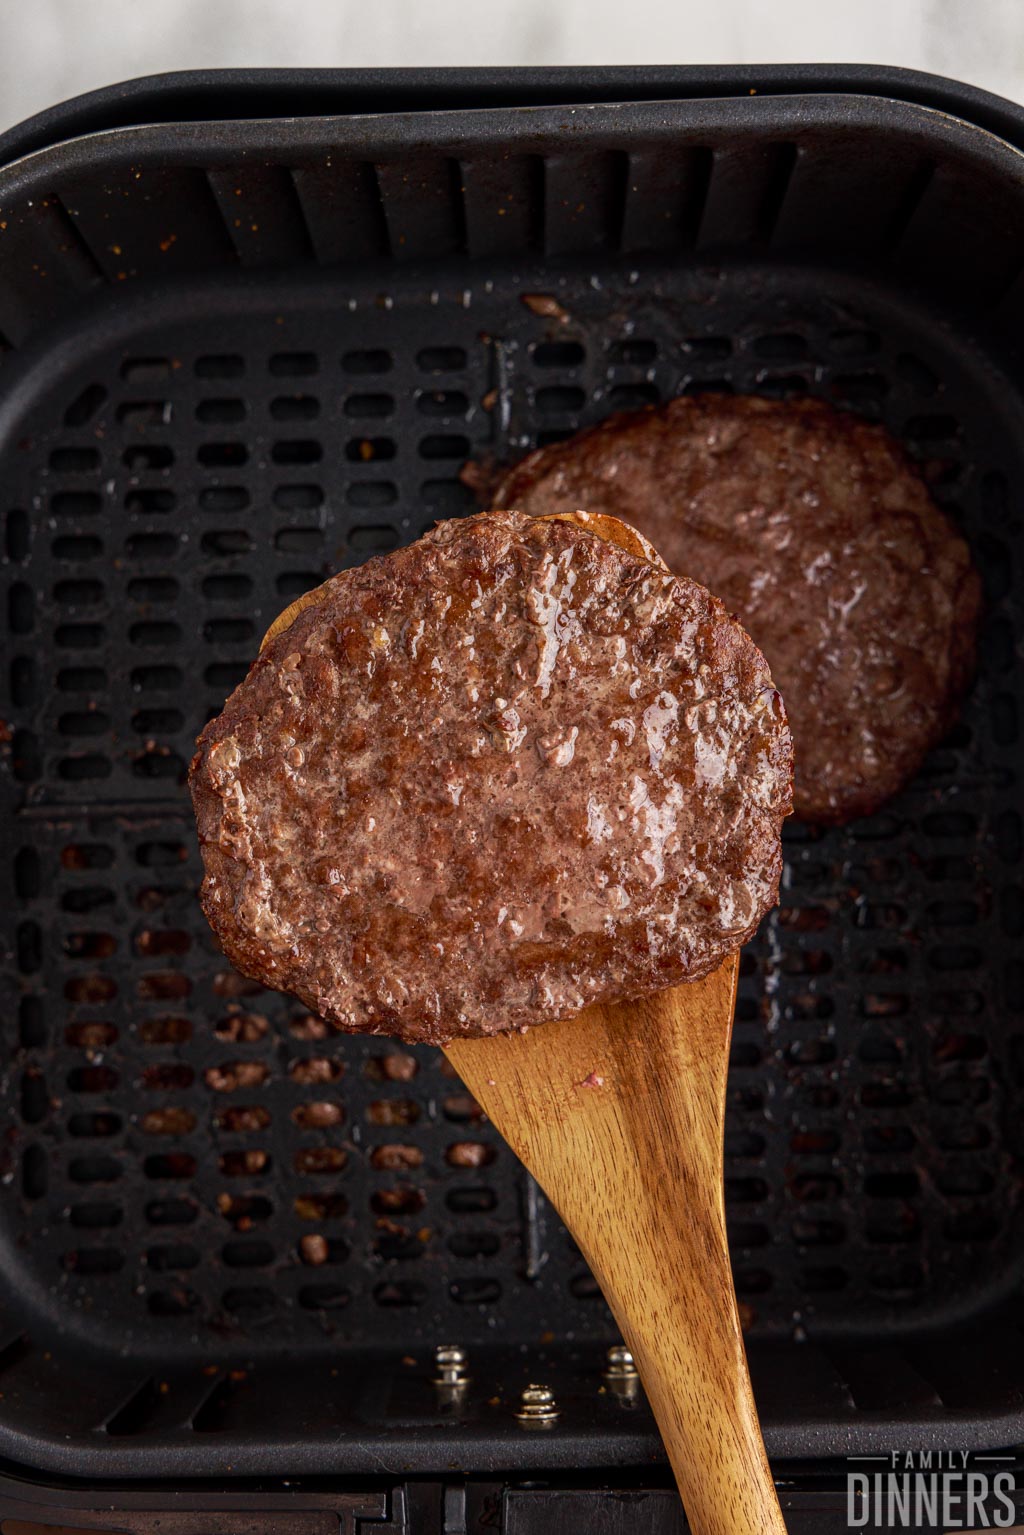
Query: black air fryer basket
pixel 251 328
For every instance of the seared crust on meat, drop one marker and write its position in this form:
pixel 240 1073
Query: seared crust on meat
pixel 490 778
pixel 816 530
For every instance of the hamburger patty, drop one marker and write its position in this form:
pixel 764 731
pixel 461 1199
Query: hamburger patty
pixel 490 778
pixel 816 530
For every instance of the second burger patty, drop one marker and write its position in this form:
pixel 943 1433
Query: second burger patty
pixel 815 529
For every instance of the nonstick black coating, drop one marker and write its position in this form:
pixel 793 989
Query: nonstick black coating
pixel 180 459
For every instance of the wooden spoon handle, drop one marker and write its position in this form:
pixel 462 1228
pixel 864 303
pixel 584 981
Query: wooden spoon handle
pixel 619 1116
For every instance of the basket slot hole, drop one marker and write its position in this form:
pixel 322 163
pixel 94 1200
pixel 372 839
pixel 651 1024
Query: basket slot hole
pixel 145 370
pixel 143 413
pixel 400 1200
pixel 165 1031
pixel 94 1170
pixel 156 679
pixel 168 1076
pixel 633 396
pixel 315 1070
pixel 320 1207
pixel 151 632
pixel 170 1165
pixel 299 540
pixel 443 402
pixel 90 988
pixel 810 1188
pixel 93 1261
pixel 222 455
pixel 90 1036
pixel 230 1076
pixel 181 1301
pixel 220 365
pixel 370 406
pixel 221 411
pixel 471 1201
pixel 99 1125
pixel 169 1257
pixel 172 1212
pixel 295 407
pixel 242 1028
pixel 228 631
pixel 97 1216
pixel 82 767
pixel 973 1226
pixel 76 547
pixel 163 986
pixel 35 1174
pixel 294 364
pixel 369 360
pixel 474 1244
pixel 153 589
pixel 168 1121
pixel 242 1254
pixel 76 503
pixel 244 1118
pixel 231 983
pixel 140 503
pixel 393 1111
pixel 321 1115
pixel 399 1293
pixel 893 1185
pixel 447 497
pixel 227 541
pixel 554 399
pixel 224 498
pixel 92 1079
pixel 398 1158
pixel 475 1291
pixel 313 1160
pixel 293 583
pixel 373 540
pixel 298 450
pixel 226 586
pixel 469 1154
pixel 570 354
pixel 243 1210
pixel 298 498
pixel 744 1143
pixel 146 458
pixel 893 1229
pixel 244 1164
pixel 32 1033
pixel 366 450
pixel 462 1109
pixel 442 359
pixel 225 675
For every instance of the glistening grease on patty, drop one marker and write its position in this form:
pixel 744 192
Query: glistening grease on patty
pixel 817 531
pixel 490 778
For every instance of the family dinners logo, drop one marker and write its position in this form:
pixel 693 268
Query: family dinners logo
pixel 930 1490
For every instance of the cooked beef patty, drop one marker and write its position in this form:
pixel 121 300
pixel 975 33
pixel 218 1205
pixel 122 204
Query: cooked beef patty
pixel 490 778
pixel 816 530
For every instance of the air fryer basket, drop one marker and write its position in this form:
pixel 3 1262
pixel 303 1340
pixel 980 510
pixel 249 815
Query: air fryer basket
pixel 238 355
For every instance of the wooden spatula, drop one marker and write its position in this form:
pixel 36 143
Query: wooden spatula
pixel 619 1115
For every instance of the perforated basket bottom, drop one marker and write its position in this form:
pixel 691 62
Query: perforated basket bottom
pixel 189 1165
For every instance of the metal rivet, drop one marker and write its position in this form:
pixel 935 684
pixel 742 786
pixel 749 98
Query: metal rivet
pixel 450 1361
pixel 621 1376
pixel 620 1367
pixel 537 1408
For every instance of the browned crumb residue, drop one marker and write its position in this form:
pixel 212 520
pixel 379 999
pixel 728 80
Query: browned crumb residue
pixel 314 1250
pixel 546 306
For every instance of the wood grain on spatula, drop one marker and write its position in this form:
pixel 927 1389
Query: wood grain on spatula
pixel 619 1115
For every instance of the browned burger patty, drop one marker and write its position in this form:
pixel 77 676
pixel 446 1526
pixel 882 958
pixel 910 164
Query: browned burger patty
pixel 816 530
pixel 490 778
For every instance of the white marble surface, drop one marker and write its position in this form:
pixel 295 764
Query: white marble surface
pixel 52 49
